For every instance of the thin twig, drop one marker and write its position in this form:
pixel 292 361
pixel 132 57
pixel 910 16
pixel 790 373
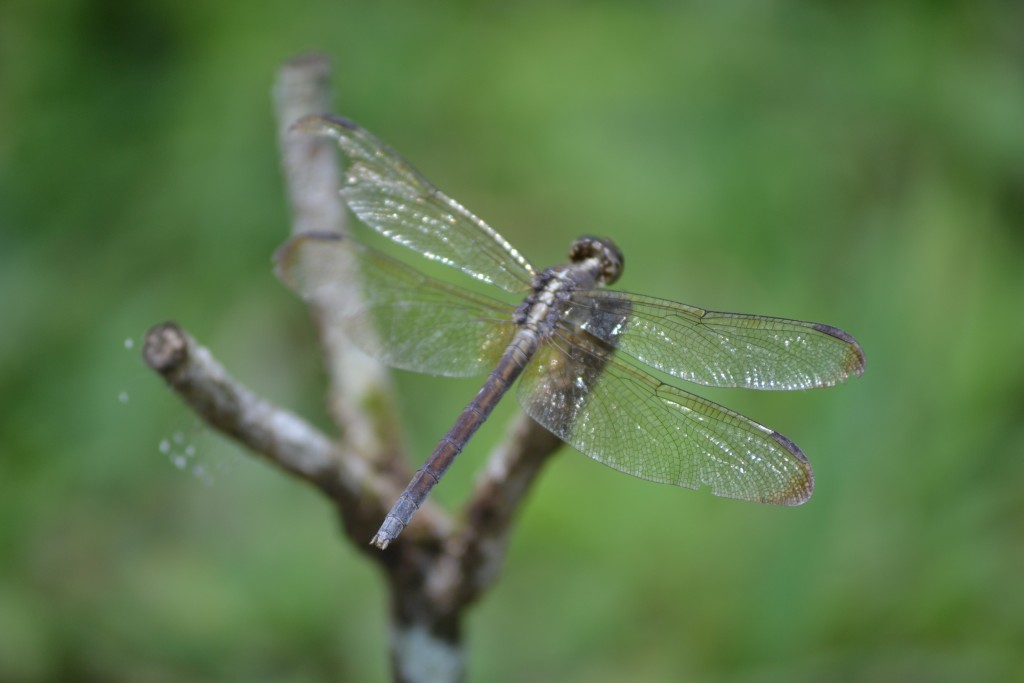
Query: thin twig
pixel 311 178
pixel 311 169
pixel 282 437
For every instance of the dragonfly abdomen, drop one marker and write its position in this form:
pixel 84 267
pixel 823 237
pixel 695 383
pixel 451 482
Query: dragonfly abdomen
pixel 511 365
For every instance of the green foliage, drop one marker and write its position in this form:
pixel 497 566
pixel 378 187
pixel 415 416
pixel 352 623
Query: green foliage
pixel 860 164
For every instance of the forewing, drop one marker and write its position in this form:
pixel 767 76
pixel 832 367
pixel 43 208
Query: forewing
pixel 624 418
pixel 391 197
pixel 403 318
pixel 719 349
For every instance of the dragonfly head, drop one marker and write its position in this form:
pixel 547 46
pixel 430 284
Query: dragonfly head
pixel 607 257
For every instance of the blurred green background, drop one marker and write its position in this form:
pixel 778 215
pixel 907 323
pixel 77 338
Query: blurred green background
pixel 860 164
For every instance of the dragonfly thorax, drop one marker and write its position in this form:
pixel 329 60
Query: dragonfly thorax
pixel 607 256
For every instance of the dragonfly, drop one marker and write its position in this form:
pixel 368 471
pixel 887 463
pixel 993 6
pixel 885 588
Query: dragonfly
pixel 582 354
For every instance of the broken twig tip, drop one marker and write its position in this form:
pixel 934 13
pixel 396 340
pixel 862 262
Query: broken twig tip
pixel 165 347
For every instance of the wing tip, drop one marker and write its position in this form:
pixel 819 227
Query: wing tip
pixel 800 488
pixel 854 362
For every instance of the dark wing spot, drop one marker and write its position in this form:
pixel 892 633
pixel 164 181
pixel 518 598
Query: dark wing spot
pixel 341 121
pixel 802 487
pixel 853 363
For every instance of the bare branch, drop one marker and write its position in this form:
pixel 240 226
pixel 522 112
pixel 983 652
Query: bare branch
pixel 433 572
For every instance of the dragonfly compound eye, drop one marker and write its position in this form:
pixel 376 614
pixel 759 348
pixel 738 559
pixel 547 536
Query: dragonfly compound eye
pixel 604 250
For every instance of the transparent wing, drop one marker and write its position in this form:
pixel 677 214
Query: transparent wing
pixel 719 349
pixel 391 197
pixel 628 420
pixel 404 318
